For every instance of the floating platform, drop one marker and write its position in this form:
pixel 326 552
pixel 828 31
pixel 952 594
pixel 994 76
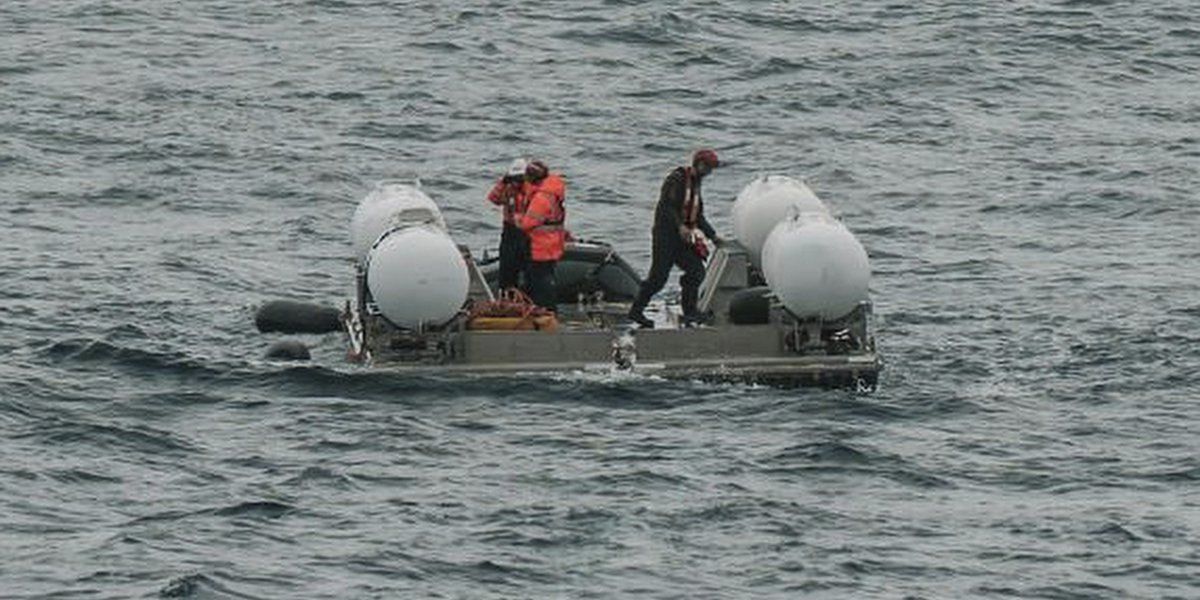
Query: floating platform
pixel 749 338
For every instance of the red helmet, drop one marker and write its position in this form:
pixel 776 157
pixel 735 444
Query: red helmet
pixel 706 156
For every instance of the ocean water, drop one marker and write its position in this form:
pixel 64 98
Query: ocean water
pixel 1022 174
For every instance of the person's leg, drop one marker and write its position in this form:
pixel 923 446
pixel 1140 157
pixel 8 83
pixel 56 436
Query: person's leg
pixel 689 282
pixel 522 262
pixel 660 268
pixel 542 285
pixel 510 257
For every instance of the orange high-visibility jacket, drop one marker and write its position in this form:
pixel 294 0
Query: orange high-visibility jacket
pixel 544 218
pixel 514 197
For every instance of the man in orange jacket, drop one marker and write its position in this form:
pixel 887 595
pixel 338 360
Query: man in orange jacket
pixel 543 221
pixel 511 193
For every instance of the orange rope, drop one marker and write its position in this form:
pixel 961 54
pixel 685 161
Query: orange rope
pixel 510 302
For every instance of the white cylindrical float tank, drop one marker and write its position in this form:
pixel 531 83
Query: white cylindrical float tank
pixel 766 201
pixel 390 205
pixel 815 266
pixel 417 276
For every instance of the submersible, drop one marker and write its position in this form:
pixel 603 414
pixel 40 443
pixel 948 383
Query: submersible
pixel 789 300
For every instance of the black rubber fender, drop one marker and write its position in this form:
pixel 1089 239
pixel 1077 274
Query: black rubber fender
pixel 288 350
pixel 288 316
pixel 751 306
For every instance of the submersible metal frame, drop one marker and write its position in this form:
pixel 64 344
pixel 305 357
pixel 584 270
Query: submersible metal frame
pixel 774 348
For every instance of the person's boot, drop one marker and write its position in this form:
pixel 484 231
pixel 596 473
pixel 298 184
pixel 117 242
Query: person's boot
pixel 639 304
pixel 689 297
pixel 637 316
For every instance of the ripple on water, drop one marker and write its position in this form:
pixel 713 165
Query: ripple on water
pixel 1022 178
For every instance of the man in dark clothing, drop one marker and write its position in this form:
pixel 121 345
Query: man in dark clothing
pixel 512 194
pixel 678 239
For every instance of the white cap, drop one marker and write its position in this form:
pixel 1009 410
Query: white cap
pixel 517 168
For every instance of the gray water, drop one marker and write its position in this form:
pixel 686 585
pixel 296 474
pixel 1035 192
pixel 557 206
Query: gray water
pixel 1022 175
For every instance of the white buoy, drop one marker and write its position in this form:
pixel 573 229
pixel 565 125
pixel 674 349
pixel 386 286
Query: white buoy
pixel 766 201
pixel 815 266
pixel 417 276
pixel 390 205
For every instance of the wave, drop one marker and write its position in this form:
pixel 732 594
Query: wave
pixel 217 586
pixel 139 439
pixel 101 352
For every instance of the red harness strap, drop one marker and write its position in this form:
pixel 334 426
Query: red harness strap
pixel 691 199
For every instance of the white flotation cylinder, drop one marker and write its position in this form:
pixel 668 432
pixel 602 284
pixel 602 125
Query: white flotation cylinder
pixel 390 205
pixel 815 266
pixel 417 276
pixel 766 201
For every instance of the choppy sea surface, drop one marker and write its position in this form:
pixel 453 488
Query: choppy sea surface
pixel 1023 175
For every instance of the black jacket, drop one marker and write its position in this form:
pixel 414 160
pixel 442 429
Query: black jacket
pixel 668 215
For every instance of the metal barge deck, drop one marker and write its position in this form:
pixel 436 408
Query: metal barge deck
pixel 592 336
